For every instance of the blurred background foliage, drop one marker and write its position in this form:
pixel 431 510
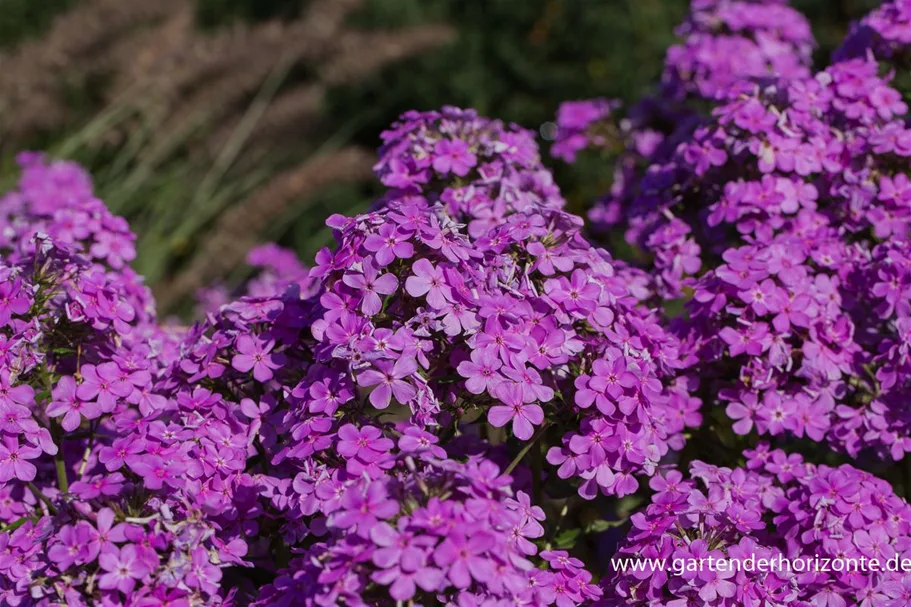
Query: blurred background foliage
pixel 213 125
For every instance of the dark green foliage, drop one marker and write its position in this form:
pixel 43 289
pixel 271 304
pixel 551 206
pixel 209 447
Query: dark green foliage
pixel 213 13
pixel 518 59
pixel 21 19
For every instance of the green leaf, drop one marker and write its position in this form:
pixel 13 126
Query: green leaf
pixel 567 539
pixel 602 525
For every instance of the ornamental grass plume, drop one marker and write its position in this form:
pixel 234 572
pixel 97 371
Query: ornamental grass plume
pixel 230 113
pixel 33 73
pixel 294 113
pixel 169 67
pixel 215 87
pixel 187 80
pixel 235 232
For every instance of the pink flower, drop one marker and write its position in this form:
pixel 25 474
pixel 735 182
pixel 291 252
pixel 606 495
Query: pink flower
pixel 453 155
pixel 103 538
pixel 371 285
pixel 104 383
pixel 366 444
pixel 481 372
pixel 156 471
pixel 14 460
pixel 72 409
pixel 23 394
pixel 428 280
pixel 389 380
pixel 123 569
pixel 256 355
pixel 362 506
pixel 524 417
pixel 13 300
pixel 464 558
pixel 388 244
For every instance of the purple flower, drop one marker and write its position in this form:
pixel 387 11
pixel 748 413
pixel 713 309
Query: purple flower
pixel 115 456
pixel 256 355
pixel 453 155
pixel 203 574
pixel 22 394
pixel 366 443
pixel 752 339
pixel 716 583
pixel 95 486
pixel 361 506
pixel 69 547
pixel 157 471
pixel 372 285
pixel 524 417
pixel 389 379
pixel 463 558
pixel 14 460
pixel 430 281
pixel 103 383
pixel 12 300
pixel 577 293
pixel 400 549
pixel 67 404
pixel 403 584
pixel 389 244
pixel 481 372
pixel 122 568
pixel 105 536
pixel 415 440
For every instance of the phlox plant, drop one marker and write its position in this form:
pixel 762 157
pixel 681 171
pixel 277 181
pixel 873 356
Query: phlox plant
pixel 470 399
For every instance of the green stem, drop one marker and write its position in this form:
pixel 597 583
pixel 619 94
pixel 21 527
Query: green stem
pixel 15 524
pixel 87 454
pixel 531 443
pixel 62 483
pixel 42 497
pixel 562 517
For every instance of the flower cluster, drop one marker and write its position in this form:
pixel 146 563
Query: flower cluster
pixel 730 41
pixel 529 326
pixel 403 521
pixel 781 198
pixel 81 358
pixel 270 425
pixel 368 511
pixel 577 123
pixel 773 155
pixel 819 334
pixel 886 32
pixel 479 169
pixel 881 419
pixel 724 45
pixel 806 176
pixel 778 510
